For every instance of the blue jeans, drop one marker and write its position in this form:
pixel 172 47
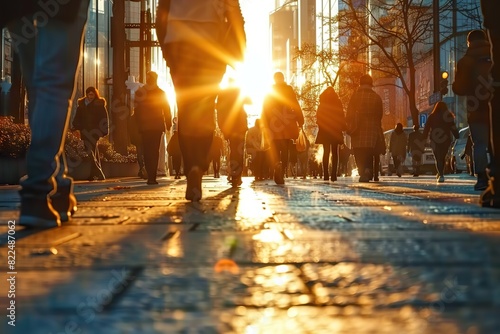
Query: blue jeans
pixel 49 63
pixel 480 136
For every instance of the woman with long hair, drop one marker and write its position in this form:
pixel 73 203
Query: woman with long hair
pixel 331 122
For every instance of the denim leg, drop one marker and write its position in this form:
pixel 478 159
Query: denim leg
pixel 480 137
pixel 49 63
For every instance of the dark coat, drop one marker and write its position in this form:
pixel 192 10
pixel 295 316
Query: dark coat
pixel 231 116
pixel 472 79
pixel 364 117
pixel 152 110
pixel 91 119
pixel 441 127
pixel 281 113
pixel 416 142
pixel 330 118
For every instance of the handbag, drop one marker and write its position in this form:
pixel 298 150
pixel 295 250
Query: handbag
pixel 301 142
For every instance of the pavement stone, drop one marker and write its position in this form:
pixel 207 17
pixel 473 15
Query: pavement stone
pixel 404 255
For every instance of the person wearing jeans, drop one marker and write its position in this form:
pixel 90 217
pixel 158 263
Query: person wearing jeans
pixel 50 56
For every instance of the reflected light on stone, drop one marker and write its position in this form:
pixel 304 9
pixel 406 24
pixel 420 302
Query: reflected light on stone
pixel 268 236
pixel 292 312
pixel 388 208
pixel 173 248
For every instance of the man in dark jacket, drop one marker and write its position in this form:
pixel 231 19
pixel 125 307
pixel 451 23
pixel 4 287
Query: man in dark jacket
pixel 490 9
pixel 472 79
pixel 416 147
pixel 49 58
pixel 281 118
pixel 152 112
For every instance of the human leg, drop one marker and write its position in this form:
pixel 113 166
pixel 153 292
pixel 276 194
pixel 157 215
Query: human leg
pixel 326 161
pixel 480 137
pixel 49 62
pixel 151 140
pixel 335 160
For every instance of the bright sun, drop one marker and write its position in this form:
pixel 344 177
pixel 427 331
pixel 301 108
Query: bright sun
pixel 255 74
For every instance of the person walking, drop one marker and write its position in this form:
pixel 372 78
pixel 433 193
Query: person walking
pixel 257 148
pixel 91 123
pixel 331 123
pixel 174 151
pixel 440 128
pixel 216 153
pixel 416 147
pixel 490 197
pixel 473 80
pixel 232 120
pixel 152 112
pixel 189 34
pixel 49 60
pixel 281 118
pixel 364 123
pixel 397 147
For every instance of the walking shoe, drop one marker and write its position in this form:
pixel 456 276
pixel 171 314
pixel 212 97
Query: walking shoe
pixel 482 181
pixel 193 187
pixel 489 198
pixel 151 182
pixel 279 177
pixel 37 212
pixel 440 179
pixel 64 202
pixel 236 181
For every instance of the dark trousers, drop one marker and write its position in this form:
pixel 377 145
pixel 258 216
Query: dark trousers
pixel 176 163
pixel 376 165
pixel 364 161
pixel 334 148
pixel 236 152
pixel 151 142
pixel 440 151
pixel 196 74
pixel 280 149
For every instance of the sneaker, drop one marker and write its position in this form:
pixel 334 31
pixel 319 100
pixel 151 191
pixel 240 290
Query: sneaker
pixel 440 179
pixel 278 174
pixel 38 212
pixel 64 202
pixel 193 187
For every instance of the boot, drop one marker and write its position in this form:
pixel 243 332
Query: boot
pixel 482 182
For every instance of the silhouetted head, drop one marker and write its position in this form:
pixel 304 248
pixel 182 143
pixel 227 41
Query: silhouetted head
pixel 366 79
pixel 151 78
pixel 476 35
pixel 279 77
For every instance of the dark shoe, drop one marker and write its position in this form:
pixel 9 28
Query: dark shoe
pixel 364 179
pixel 333 178
pixel 151 182
pixel 236 181
pixel 278 174
pixel 482 182
pixel 64 202
pixel 37 212
pixel 376 179
pixel 415 175
pixel 193 188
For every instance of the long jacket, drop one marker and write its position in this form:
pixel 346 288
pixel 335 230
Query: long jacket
pixel 397 143
pixel 472 79
pixel 441 128
pixel 152 110
pixel 91 118
pixel 330 118
pixel 416 142
pixel 281 113
pixel 364 118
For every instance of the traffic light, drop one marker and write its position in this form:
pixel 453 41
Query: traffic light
pixel 443 87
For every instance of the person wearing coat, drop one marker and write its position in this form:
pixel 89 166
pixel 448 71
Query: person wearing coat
pixel 397 147
pixel 364 123
pixel 232 120
pixel 91 123
pixel 331 124
pixel 416 147
pixel 281 118
pixel 472 79
pixel 152 112
pixel 189 33
pixel 440 128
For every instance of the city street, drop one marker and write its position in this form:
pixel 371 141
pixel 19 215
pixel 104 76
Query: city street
pixel 403 255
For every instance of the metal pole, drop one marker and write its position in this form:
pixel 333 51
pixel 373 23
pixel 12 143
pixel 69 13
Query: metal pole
pixel 436 44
